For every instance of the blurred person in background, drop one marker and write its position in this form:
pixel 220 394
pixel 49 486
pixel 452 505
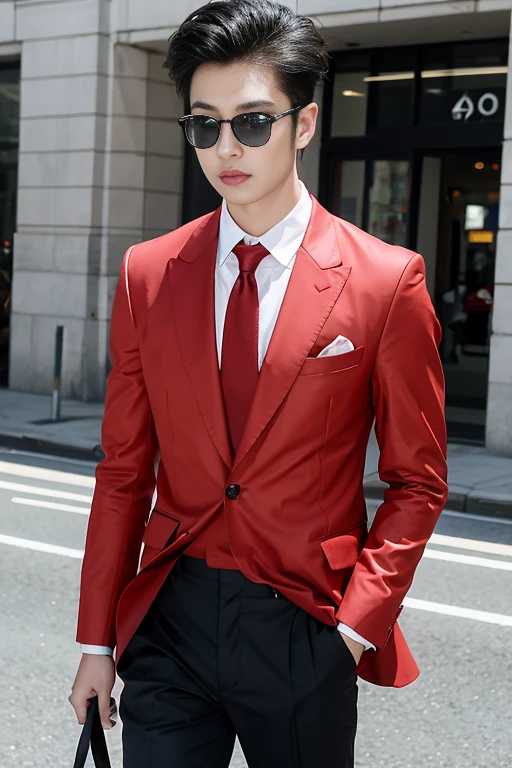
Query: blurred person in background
pixel 252 350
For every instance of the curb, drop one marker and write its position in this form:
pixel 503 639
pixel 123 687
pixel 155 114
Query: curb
pixel 470 503
pixel 41 445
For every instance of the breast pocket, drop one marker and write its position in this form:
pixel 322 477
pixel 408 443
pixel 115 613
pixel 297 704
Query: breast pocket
pixel 313 366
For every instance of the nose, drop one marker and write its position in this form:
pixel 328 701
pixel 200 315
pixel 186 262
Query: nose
pixel 228 145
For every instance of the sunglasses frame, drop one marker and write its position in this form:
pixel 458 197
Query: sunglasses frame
pixel 271 120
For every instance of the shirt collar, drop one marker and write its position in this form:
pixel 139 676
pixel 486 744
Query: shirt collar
pixel 282 241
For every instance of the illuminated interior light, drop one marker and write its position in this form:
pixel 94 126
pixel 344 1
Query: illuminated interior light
pixel 385 78
pixel 461 71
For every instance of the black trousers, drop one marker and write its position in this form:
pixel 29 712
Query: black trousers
pixel 217 656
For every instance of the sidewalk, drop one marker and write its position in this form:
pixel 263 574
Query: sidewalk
pixel 479 482
pixel 25 424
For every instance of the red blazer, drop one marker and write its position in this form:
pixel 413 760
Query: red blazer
pixel 300 522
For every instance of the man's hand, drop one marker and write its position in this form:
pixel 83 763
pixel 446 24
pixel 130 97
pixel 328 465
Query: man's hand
pixel 355 648
pixel 96 675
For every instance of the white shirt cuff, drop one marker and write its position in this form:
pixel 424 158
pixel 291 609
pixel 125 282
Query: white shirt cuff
pixel 97 650
pixel 354 636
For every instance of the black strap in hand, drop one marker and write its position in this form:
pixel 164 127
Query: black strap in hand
pixel 93 736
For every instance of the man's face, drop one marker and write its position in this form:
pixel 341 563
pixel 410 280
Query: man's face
pixel 225 88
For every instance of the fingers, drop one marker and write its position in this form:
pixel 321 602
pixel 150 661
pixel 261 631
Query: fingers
pixel 113 712
pixel 104 707
pixel 96 675
pixel 80 706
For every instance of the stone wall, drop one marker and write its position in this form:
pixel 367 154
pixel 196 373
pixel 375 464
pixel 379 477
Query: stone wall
pixel 100 167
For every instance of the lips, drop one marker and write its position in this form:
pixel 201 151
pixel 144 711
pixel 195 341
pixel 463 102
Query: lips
pixel 233 178
pixel 232 174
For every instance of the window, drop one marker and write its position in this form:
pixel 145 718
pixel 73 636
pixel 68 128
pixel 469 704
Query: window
pixel 389 201
pixel 391 82
pixel 350 103
pixel 349 190
pixel 464 83
pixel 9 104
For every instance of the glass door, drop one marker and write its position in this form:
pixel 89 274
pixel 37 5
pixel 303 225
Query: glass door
pixel 374 195
pixel 453 225
pixel 389 193
pixel 461 276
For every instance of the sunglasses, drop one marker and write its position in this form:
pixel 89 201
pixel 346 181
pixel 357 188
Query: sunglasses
pixel 250 128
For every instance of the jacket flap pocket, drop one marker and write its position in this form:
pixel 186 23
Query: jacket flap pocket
pixel 342 549
pixel 161 529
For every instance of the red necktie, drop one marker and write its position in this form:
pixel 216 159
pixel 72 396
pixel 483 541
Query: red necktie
pixel 239 360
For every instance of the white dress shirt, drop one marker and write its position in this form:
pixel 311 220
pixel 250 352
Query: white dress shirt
pixel 272 275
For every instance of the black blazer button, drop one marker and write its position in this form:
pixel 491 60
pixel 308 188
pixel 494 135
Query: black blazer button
pixel 233 491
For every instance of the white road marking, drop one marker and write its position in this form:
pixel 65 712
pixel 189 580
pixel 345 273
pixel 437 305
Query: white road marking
pixel 39 546
pixel 483 562
pixel 454 610
pixel 52 475
pixel 482 518
pixel 490 547
pixel 49 505
pixel 37 491
pixel 409 602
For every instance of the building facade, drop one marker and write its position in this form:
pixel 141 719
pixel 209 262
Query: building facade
pixel 414 145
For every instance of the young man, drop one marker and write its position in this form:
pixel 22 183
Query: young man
pixel 253 349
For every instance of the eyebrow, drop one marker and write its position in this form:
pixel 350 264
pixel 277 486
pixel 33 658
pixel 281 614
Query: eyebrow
pixel 247 105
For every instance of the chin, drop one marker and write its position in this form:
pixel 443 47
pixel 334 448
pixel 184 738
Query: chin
pixel 237 195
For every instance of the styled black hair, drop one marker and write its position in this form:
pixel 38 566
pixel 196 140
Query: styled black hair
pixel 260 31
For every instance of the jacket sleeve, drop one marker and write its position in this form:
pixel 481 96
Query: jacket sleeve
pixel 408 398
pixel 125 480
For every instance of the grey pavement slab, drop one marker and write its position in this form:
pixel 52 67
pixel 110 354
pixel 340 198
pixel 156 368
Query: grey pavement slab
pixel 27 416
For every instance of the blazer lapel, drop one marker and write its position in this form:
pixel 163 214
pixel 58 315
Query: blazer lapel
pixel 192 284
pixel 317 279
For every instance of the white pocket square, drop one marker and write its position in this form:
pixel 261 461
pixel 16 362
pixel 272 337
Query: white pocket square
pixel 337 347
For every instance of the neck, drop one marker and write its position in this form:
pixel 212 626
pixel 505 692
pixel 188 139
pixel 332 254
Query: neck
pixel 258 217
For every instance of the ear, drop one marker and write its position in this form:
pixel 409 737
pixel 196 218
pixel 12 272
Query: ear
pixel 306 125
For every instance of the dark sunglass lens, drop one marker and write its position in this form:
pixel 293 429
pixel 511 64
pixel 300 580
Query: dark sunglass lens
pixel 252 129
pixel 201 131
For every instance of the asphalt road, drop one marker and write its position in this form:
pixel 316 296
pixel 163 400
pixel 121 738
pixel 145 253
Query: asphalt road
pixel 457 619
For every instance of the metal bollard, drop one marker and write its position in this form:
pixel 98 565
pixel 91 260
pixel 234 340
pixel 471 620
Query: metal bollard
pixel 57 376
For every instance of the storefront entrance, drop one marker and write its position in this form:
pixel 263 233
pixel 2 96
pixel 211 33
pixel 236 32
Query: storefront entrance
pixel 412 154
pixel 458 223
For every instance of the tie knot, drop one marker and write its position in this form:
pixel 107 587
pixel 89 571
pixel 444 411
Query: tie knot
pixel 249 256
